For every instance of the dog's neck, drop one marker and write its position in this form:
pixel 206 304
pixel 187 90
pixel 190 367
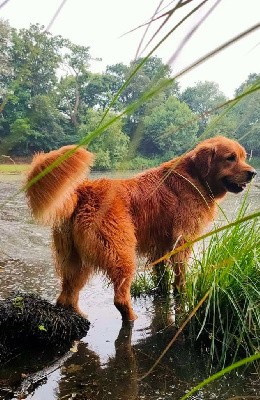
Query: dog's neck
pixel 194 176
pixel 216 194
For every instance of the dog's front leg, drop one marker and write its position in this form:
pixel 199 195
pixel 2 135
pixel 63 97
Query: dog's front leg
pixel 179 262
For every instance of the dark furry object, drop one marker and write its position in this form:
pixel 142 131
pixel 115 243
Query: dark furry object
pixel 28 319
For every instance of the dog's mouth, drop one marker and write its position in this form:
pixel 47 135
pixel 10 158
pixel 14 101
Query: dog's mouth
pixel 233 186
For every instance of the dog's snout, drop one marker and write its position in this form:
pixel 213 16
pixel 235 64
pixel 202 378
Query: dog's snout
pixel 251 174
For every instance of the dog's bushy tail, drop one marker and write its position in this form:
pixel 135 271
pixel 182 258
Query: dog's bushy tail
pixel 52 198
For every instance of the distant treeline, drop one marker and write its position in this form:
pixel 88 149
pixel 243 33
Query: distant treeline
pixel 49 97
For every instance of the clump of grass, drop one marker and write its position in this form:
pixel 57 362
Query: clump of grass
pixel 143 284
pixel 229 268
pixel 149 281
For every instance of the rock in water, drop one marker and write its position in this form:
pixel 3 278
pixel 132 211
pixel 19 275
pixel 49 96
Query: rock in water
pixel 26 319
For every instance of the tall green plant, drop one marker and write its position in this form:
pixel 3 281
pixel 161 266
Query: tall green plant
pixel 229 269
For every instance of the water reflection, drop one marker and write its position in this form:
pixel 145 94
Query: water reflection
pixel 85 376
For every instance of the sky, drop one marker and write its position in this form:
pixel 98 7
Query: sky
pixel 102 25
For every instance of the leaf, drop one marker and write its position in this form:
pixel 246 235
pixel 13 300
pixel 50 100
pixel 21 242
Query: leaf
pixel 42 328
pixel 74 348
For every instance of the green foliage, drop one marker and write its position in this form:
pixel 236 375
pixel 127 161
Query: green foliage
pixel 19 131
pixel 201 98
pixel 41 130
pixel 20 127
pixel 142 284
pixel 170 127
pixel 240 121
pixel 99 91
pixel 225 124
pixel 149 75
pixel 230 318
pixel 42 328
pixel 5 64
pixel 247 112
pixel 139 163
pixel 46 120
pixel 18 302
pixel 35 57
pixel 111 147
pixel 71 87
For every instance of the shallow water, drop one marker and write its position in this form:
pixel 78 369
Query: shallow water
pixel 111 359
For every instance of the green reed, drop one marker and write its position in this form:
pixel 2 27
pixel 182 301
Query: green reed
pixel 229 268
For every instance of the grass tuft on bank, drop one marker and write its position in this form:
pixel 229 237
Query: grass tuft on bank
pixel 229 268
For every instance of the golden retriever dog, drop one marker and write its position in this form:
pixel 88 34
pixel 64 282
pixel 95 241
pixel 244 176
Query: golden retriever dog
pixel 101 225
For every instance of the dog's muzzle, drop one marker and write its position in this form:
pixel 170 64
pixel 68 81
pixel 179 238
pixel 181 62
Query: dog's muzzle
pixel 236 187
pixel 251 175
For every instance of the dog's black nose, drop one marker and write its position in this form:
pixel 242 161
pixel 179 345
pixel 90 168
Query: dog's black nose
pixel 251 174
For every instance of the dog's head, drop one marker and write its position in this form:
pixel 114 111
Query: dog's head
pixel 221 163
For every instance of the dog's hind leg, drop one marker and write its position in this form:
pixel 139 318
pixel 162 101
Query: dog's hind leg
pixel 74 279
pixel 73 273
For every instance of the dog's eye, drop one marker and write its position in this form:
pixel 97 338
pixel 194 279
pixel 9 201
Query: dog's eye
pixel 232 157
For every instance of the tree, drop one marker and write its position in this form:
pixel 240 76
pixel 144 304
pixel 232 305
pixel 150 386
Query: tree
pixel 111 146
pixel 102 88
pixel 19 135
pixel 242 121
pixel 225 124
pixel 201 98
pixel 5 62
pixel 169 130
pixel 41 130
pixel 152 73
pixel 35 57
pixel 247 111
pixel 99 91
pixel 76 64
pixel 35 99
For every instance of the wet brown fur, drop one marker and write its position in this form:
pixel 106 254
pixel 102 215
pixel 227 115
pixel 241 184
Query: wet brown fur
pixel 103 224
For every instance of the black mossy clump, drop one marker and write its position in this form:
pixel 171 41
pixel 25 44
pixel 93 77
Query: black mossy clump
pixel 26 319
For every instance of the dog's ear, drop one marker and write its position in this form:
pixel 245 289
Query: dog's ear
pixel 202 158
